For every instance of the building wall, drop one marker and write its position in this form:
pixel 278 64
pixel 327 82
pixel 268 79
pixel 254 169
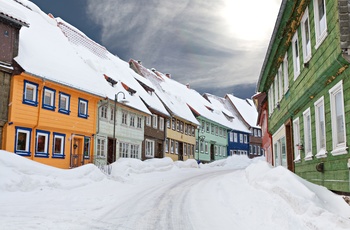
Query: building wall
pixel 238 147
pixel 35 118
pixel 156 133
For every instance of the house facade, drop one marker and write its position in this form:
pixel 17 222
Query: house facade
pixel 305 77
pixel 10 26
pixel 50 123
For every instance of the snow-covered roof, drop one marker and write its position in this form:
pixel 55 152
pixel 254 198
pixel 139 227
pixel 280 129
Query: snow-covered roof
pixel 10 11
pixel 221 104
pixel 245 108
pixel 170 98
pixel 77 62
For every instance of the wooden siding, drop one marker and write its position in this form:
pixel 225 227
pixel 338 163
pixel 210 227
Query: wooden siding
pixel 37 118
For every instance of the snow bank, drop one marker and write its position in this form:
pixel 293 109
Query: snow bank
pixel 21 174
pixel 233 162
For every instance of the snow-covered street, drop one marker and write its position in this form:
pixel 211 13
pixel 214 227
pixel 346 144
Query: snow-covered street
pixel 236 193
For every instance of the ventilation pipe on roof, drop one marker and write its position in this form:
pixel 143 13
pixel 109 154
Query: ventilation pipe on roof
pixel 51 16
pixel 140 62
pixel 188 86
pixel 153 70
pixel 168 75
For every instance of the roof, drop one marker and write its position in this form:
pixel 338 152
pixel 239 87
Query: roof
pixel 245 108
pixel 11 11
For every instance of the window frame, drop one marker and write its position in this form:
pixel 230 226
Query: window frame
pixel 320 36
pixel 296 138
pixel 307 134
pixel 28 132
pixel 149 148
pixel 304 31
pixel 63 139
pixel 101 149
pixel 44 153
pixel 321 147
pixel 65 110
pixel 296 59
pixel 50 106
pixel 285 73
pixel 338 148
pixel 34 101
pixel 83 114
pixel 161 124
pixel 154 121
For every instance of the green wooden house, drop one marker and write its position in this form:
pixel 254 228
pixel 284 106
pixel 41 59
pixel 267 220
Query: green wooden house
pixel 306 78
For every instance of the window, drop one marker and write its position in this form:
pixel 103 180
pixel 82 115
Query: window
pixel 112 113
pixel 166 145
pixel 101 147
pixel 320 21
pixel 305 35
pixel 42 143
pixel 245 139
pixel 203 126
pixel 161 124
pixel 103 112
pixel 296 58
pixel 30 94
pixel 202 146
pixel 123 149
pixel 173 123
pixel 64 103
pixel 285 73
pixel 220 132
pixel 212 129
pixel 280 152
pixel 338 119
pixel 216 130
pixel 186 127
pixel 206 147
pixel 48 99
pixel 271 101
pixel 231 136
pixel 189 149
pixel 87 142
pixel 320 128
pixel 83 108
pixel 240 138
pixel 172 146
pixel 124 117
pixel 280 83
pixel 276 92
pixel 207 127
pixel 149 148
pixel 22 141
pixel 235 136
pixel 148 120
pixel 296 137
pixel 155 121
pixel 197 146
pixel 216 150
pixel 58 145
pixel 181 126
pixel 168 123
pixel 193 133
pixel 132 120
pixel 176 147
pixel 185 149
pixel 307 135
pixel 178 125
pixel 134 151
pixel 139 122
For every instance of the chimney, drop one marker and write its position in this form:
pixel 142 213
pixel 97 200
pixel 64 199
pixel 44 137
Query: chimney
pixel 51 16
pixel 168 75
pixel 140 62
pixel 153 70
pixel 188 86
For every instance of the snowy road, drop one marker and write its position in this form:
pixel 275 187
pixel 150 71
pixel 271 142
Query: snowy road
pixel 162 195
pixel 164 206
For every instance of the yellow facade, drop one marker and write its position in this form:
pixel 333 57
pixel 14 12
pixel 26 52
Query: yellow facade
pixel 179 139
pixel 49 134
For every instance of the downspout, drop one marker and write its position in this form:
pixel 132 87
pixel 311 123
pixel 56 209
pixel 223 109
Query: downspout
pixel 40 89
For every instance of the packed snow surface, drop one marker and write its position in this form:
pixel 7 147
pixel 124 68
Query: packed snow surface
pixel 235 193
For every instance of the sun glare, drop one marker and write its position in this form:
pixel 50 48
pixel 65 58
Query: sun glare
pixel 250 20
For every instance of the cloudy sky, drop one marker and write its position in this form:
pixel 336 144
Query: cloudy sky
pixel 216 46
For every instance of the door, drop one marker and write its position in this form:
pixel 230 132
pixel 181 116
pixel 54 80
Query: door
pixel 289 146
pixel 77 155
pixel 212 153
pixel 181 152
pixel 111 149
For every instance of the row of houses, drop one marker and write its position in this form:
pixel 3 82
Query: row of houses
pixel 67 101
pixel 304 92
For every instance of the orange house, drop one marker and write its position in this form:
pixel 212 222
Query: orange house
pixel 49 122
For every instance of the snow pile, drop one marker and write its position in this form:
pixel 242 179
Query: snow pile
pixel 233 162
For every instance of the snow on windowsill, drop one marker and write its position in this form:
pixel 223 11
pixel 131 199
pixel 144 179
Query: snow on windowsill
pixel 339 151
pixel 308 156
pixel 321 154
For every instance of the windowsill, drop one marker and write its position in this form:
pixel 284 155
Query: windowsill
pixel 43 155
pixel 321 39
pixel 59 156
pixel 339 151
pixel 321 154
pixel 308 157
pixel 26 154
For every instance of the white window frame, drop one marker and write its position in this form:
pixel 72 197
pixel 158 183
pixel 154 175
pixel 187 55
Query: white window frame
pixel 62 145
pixel 276 91
pixel 161 124
pixel 280 83
pixel 50 105
pixel 296 138
pixel 155 121
pixel 132 120
pixel 101 147
pixel 320 33
pixel 320 123
pixel 305 30
pixel 338 148
pixel 83 106
pixel 296 55
pixel 45 152
pixel 285 73
pixel 245 138
pixel 148 120
pixel 64 108
pixel 235 137
pixel 34 87
pixel 149 148
pixel 139 122
pixel 307 134
pixel 124 117
pixel 26 150
pixel 103 112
